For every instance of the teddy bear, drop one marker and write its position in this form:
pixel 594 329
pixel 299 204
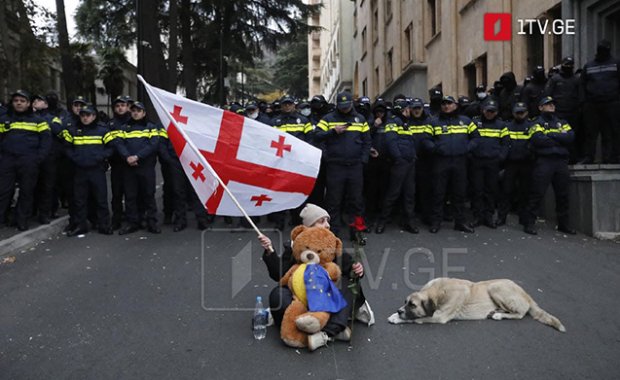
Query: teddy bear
pixel 312 281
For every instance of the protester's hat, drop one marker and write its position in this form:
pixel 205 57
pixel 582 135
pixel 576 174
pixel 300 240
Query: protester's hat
pixel 344 100
pixel 311 214
pixel 519 107
pixel 546 100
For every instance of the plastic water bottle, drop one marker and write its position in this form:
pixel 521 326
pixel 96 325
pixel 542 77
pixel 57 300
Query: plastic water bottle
pixel 259 321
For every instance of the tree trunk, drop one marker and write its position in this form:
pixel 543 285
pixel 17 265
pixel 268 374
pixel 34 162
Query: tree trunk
pixel 173 46
pixel 189 73
pixel 154 62
pixel 65 53
pixel 6 58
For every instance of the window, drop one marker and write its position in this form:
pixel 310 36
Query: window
pixel 535 50
pixel 365 87
pixel 470 79
pixel 375 21
pixel 376 80
pixel 482 64
pixel 364 42
pixel 388 11
pixel 407 45
pixel 434 15
pixel 389 66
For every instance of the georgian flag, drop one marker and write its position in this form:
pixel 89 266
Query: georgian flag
pixel 266 170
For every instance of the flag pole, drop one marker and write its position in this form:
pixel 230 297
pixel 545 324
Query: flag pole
pixel 202 159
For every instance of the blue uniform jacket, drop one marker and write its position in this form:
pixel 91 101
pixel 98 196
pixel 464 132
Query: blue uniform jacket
pixel 494 140
pixel 399 139
pixel 551 136
pixel 24 135
pixel 453 135
pixel 85 145
pixel 350 147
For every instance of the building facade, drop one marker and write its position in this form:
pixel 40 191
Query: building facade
pixel 409 46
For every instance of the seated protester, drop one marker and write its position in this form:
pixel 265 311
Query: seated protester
pixel 88 152
pixel 137 144
pixel 281 297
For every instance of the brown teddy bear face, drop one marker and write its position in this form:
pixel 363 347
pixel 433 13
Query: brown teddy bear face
pixel 315 244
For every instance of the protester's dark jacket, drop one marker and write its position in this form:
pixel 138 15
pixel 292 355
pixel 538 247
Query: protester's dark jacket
pixel 350 147
pixel 601 80
pixel 85 145
pixel 377 135
pixel 520 133
pixel 399 139
pixel 564 89
pixel 509 95
pixel 139 138
pixel 531 95
pixel 494 139
pixel 551 136
pixel 24 135
pixel 453 135
pixel 294 124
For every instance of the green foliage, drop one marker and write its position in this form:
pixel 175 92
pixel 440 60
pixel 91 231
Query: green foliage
pixel 109 23
pixel 111 71
pixel 291 68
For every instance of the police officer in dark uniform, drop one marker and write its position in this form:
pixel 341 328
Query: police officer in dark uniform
pixel 319 107
pixel 401 147
pixel 347 142
pixel 564 88
pixel 419 125
pixel 376 172
pixel 600 81
pixel 491 149
pixel 291 122
pixel 47 170
pixel 435 95
pixel 518 165
pixel 137 143
pixel 473 109
pixel 25 141
pixel 453 134
pixel 87 150
pixel 362 106
pixel 253 112
pixel 534 91
pixel 551 139
pixel 119 120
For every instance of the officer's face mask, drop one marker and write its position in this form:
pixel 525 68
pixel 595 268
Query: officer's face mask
pixel 305 111
pixel 481 95
pixel 253 115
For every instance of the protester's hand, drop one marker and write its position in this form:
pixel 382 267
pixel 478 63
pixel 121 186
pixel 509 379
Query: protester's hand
pixel 358 269
pixel 340 128
pixel 374 153
pixel 265 242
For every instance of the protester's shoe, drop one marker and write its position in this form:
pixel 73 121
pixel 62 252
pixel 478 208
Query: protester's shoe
pixel 77 231
pixel 380 228
pixel 434 229
pixel 179 227
pixel 411 228
pixel 129 229
pixel 317 340
pixel 463 228
pixel 344 335
pixel 106 230
pixel 475 223
pixel 154 229
pixel 530 229
pixel 365 314
pixel 501 221
pixel 567 230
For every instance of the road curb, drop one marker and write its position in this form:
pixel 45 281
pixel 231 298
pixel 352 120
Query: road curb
pixel 26 239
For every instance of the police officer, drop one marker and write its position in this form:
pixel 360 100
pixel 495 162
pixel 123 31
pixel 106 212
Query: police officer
pixel 401 146
pixel 362 106
pixel 25 141
pixel 88 152
pixel 518 165
pixel 253 112
pixel 491 149
pixel 564 88
pixel 435 95
pixel 47 170
pixel 137 143
pixel 377 171
pixel 551 139
pixel 120 119
pixel 419 125
pixel 452 136
pixel 473 109
pixel 534 91
pixel 347 142
pixel 600 81
pixel 319 108
pixel 463 104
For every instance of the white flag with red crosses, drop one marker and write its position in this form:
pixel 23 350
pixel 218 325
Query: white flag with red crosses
pixel 265 169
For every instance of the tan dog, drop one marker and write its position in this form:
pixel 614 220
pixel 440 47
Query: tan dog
pixel 444 299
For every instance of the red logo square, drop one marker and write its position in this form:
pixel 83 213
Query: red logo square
pixel 497 26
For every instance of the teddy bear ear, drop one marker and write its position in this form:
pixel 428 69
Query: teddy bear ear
pixel 297 230
pixel 338 247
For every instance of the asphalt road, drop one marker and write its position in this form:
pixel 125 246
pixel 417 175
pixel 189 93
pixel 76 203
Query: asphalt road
pixel 177 306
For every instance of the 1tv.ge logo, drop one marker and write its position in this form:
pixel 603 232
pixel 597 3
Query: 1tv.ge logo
pixel 498 26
